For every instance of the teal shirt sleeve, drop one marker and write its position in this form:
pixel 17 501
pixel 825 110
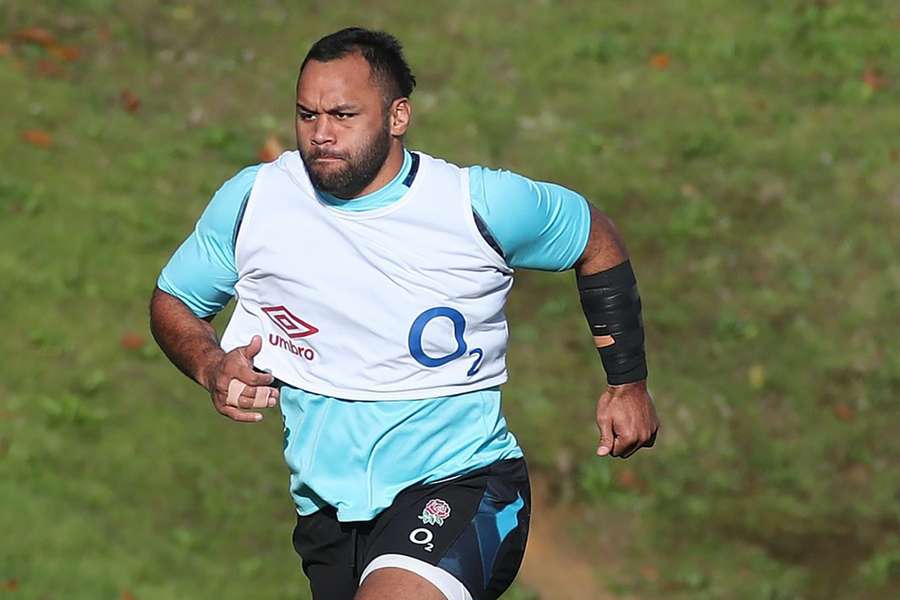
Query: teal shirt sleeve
pixel 538 225
pixel 202 272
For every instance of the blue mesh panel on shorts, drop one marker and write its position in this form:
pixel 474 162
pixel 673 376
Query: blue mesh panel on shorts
pixel 480 541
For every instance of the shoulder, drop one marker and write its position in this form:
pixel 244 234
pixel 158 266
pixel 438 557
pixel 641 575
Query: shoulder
pixel 538 224
pixel 227 203
pixel 512 196
pixel 499 181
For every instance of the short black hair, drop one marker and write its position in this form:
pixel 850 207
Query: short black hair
pixel 382 51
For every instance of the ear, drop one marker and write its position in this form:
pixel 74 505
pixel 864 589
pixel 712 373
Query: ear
pixel 399 113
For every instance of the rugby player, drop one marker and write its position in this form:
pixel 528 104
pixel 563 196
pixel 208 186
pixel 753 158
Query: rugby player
pixel 370 282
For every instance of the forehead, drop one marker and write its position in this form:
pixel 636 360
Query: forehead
pixel 341 80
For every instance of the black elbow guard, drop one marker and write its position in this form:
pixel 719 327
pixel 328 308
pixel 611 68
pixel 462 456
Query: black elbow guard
pixel 612 306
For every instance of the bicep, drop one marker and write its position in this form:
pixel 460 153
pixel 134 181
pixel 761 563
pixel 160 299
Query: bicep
pixel 199 276
pixel 538 225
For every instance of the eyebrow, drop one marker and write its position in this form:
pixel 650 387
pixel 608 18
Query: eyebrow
pixel 336 109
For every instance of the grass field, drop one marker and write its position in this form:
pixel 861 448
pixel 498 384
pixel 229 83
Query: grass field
pixel 749 151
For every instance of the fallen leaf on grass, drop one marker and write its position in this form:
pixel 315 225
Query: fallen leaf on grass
pixel 38 138
pixel 756 376
pixel 130 101
pixel 4 48
pixel 874 79
pixel 35 35
pixel 126 595
pixel 11 585
pixel 844 412
pixel 65 53
pixel 660 61
pixel 271 149
pixel 132 341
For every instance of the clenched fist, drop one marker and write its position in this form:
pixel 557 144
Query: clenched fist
pixel 627 420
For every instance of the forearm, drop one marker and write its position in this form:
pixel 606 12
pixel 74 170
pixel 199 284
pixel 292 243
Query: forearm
pixel 188 341
pixel 612 306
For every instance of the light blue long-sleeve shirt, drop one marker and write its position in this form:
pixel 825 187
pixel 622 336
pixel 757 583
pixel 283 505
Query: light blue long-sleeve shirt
pixel 356 455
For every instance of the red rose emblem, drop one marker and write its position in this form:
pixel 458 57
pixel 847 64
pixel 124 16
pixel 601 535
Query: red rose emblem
pixel 436 510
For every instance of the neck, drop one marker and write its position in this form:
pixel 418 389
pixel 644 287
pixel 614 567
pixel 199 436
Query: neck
pixel 392 165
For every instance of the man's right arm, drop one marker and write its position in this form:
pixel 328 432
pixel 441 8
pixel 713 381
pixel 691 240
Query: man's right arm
pixel 194 286
pixel 187 340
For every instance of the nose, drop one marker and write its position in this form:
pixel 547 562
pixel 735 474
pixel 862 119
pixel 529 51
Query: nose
pixel 322 132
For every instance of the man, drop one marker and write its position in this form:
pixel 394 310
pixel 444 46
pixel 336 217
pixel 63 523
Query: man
pixel 370 283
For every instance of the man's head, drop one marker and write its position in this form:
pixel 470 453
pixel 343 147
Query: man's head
pixel 352 108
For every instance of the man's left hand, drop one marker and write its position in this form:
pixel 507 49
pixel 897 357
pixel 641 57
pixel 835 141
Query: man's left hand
pixel 627 420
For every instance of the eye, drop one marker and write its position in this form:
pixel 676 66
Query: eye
pixel 343 116
pixel 305 115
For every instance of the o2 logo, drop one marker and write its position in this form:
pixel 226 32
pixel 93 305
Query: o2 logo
pixel 459 330
pixel 422 537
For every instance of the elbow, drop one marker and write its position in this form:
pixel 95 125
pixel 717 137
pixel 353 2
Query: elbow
pixel 605 247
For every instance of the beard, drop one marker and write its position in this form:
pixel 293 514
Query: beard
pixel 356 169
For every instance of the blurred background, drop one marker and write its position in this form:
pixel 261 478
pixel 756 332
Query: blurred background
pixel 749 152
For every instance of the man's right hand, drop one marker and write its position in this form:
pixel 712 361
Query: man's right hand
pixel 235 386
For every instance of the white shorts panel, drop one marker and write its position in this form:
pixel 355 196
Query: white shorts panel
pixel 449 585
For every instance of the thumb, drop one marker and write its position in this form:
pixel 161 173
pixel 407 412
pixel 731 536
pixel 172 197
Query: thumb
pixel 252 349
pixel 606 437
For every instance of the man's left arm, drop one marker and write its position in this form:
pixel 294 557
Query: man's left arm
pixel 545 226
pixel 608 289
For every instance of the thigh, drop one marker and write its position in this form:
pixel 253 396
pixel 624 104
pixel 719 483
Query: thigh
pixel 466 536
pixel 392 583
pixel 327 549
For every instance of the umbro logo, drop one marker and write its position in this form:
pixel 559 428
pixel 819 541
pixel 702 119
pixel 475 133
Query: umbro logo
pixel 292 325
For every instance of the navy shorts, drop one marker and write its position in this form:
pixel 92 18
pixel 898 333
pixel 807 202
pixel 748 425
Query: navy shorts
pixel 465 535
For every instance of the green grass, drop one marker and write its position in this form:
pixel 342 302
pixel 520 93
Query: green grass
pixel 756 180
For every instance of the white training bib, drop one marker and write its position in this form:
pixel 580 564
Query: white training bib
pixel 396 303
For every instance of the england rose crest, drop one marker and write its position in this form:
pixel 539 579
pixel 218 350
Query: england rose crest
pixel 436 510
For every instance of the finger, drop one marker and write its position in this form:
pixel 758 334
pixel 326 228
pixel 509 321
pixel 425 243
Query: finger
pixel 249 376
pixel 625 444
pixel 251 349
pixel 643 441
pixel 236 414
pixel 251 390
pixel 261 400
pixel 235 389
pixel 633 449
pixel 607 441
pixel 256 397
